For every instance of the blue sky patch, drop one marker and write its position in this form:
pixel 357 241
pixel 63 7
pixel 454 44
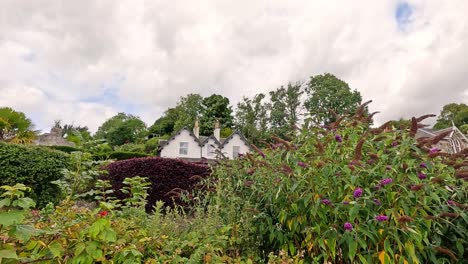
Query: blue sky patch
pixel 403 14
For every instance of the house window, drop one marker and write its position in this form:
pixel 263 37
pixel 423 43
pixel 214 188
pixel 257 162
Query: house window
pixel 210 150
pixel 235 151
pixel 183 149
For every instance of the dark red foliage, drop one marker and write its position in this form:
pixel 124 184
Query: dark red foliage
pixel 165 175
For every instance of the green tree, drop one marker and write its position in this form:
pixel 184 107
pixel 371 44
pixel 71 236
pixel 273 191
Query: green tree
pixel 164 126
pixel 252 118
pixel 215 107
pixel 456 113
pixel 188 110
pixel 121 129
pixel 327 92
pixel 15 126
pixel 285 109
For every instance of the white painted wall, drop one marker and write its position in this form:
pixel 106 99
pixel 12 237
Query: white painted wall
pixel 235 141
pixel 205 149
pixel 171 150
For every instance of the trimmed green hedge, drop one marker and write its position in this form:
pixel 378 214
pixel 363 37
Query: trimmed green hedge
pixel 35 167
pixel 118 155
pixel 66 149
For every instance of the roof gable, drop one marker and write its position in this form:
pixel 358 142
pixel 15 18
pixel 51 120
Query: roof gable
pixel 236 132
pixel 174 136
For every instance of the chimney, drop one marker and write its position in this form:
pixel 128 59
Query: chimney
pixel 217 130
pixel 196 129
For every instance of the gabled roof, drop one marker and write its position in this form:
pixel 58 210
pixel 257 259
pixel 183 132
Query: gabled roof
pixel 236 132
pixel 206 139
pixel 178 133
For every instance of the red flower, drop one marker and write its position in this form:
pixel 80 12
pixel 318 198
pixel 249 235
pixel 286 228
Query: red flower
pixel 103 213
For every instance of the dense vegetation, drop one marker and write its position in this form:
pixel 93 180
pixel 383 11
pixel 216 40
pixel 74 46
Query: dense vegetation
pixel 32 166
pixel 168 178
pixel 340 193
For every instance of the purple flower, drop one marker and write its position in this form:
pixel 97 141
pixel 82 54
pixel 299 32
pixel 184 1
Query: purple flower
pixel 386 181
pixel 338 138
pixel 423 165
pixel 377 202
pixel 388 167
pixel 302 164
pixel 422 176
pixel 452 203
pixel 381 218
pixel 345 202
pixel 357 193
pixel 326 201
pixel 434 150
pixel 348 226
pixel 394 143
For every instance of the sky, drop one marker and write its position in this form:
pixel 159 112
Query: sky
pixel 84 61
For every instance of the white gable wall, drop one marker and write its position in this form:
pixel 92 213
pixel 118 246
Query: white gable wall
pixel 205 149
pixel 171 150
pixel 235 141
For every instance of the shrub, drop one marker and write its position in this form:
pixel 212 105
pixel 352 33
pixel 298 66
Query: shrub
pixel 151 145
pixel 35 167
pixel 168 177
pixel 117 155
pixel 130 147
pixel 66 149
pixel 347 193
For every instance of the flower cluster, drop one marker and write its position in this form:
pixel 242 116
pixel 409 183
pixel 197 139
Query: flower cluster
pixel 386 181
pixel 357 193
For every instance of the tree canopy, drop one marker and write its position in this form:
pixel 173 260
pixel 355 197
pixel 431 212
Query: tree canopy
pixel 325 92
pixel 15 126
pixel 285 109
pixel 215 107
pixel 252 118
pixel 122 128
pixel 456 113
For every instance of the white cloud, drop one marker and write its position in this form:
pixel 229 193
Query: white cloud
pixel 65 59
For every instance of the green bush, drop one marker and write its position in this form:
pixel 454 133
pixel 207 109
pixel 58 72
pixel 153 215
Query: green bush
pixel 66 149
pixel 152 145
pixel 130 147
pixel 35 167
pixel 126 155
pixel 347 193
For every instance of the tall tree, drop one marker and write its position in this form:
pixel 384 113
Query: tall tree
pixel 188 110
pixel 15 126
pixel 285 109
pixel 121 129
pixel 215 107
pixel 456 113
pixel 327 92
pixel 164 126
pixel 252 118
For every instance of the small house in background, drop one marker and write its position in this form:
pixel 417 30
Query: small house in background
pixel 54 138
pixel 189 145
pixel 454 142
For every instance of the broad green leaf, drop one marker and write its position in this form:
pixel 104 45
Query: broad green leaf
pixel 352 248
pixel 23 232
pixel 56 249
pixel 11 217
pixel 5 202
pixel 8 253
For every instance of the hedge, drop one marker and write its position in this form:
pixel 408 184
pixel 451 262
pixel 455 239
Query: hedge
pixel 66 149
pixel 164 174
pixel 118 155
pixel 35 167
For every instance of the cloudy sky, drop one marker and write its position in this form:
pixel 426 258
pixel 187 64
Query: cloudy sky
pixel 84 61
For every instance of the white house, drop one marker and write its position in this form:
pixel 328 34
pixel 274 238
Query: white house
pixel 187 144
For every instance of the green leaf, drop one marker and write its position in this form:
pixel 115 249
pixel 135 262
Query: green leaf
pixel 56 249
pixel 5 202
pixel 353 212
pixel 25 203
pixel 79 248
pixel 11 217
pixel 352 248
pixel 8 253
pixel 23 232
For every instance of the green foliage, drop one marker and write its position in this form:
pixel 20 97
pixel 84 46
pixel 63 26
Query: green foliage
pixel 117 155
pixel 349 194
pixel 252 118
pixel 164 126
pixel 121 129
pixel 215 107
pixel 66 149
pixel 35 167
pixel 81 175
pixel 284 109
pixel 456 113
pixel 325 92
pixel 151 146
pixel 15 127
pixel 130 147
